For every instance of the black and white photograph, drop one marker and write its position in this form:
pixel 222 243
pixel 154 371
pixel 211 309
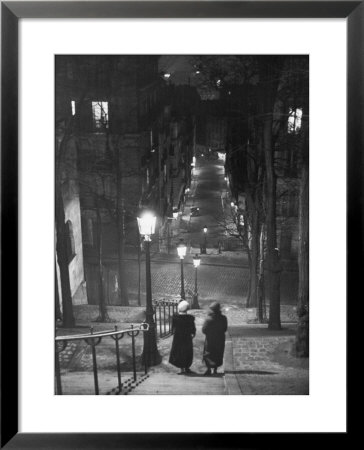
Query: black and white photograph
pixel 181 224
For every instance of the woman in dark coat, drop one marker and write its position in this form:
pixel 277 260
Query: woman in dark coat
pixel 184 330
pixel 214 328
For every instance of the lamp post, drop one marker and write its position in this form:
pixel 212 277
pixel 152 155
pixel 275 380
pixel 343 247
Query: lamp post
pixel 181 250
pixel 205 235
pixel 196 263
pixel 146 224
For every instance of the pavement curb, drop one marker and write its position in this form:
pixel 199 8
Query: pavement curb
pixel 231 382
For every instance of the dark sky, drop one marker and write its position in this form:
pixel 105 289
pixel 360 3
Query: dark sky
pixel 179 67
pixel 183 72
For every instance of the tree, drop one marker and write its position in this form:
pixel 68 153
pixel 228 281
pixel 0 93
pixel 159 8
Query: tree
pixel 269 78
pixel 256 92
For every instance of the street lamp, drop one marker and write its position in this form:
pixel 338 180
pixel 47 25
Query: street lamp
pixel 196 263
pixel 181 250
pixel 146 224
pixel 205 234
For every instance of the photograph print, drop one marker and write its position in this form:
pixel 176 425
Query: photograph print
pixel 181 225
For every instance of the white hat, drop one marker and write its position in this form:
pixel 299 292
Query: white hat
pixel 183 306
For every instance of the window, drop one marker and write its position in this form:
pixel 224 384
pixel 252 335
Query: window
pixel 294 120
pixel 70 242
pixel 100 115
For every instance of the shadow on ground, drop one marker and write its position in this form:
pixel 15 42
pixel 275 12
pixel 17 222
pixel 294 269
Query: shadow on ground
pixel 250 372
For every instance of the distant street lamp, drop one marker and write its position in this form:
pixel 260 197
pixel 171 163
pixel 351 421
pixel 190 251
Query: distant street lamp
pixel 181 250
pixel 146 224
pixel 196 263
pixel 205 235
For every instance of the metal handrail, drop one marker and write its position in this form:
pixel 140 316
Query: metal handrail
pixel 163 320
pixel 73 337
pixel 93 339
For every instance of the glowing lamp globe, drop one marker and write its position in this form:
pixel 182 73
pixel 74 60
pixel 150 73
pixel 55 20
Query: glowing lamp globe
pixel 181 249
pixel 196 260
pixel 146 223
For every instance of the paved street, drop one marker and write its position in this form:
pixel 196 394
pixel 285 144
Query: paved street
pixel 222 276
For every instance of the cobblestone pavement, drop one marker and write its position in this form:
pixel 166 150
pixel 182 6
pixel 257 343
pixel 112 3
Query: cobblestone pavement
pixel 264 364
pixel 215 281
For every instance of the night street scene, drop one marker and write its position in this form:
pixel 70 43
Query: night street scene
pixel 181 225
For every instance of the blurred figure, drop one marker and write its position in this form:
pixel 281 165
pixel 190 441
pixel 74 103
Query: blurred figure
pixel 184 330
pixel 214 328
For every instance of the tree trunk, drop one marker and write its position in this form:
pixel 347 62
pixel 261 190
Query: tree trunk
pixel 273 265
pixel 254 253
pixel 261 287
pixel 122 291
pixel 250 275
pixel 61 248
pixel 57 310
pixel 103 315
pixel 302 336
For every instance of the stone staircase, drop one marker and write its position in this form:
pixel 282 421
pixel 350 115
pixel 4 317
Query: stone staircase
pixel 174 384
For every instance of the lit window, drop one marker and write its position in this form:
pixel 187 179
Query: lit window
pixel 100 115
pixel 294 120
pixel 73 106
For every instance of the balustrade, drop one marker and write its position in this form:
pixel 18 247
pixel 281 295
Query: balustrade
pixel 93 339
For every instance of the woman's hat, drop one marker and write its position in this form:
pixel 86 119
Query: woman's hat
pixel 182 306
pixel 215 307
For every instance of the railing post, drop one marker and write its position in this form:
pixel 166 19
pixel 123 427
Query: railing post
pixel 169 316
pixel 94 364
pixel 133 350
pixel 118 360
pixel 160 319
pixel 164 316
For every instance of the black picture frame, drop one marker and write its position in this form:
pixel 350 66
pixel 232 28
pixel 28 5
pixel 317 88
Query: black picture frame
pixel 11 12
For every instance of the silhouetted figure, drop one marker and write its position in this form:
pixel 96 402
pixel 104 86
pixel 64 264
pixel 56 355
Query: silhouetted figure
pixel 184 330
pixel 214 328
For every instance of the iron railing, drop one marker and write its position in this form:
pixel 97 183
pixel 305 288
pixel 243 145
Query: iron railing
pixel 163 315
pixel 93 339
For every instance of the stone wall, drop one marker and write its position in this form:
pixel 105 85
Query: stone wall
pixel 237 315
pixel 124 314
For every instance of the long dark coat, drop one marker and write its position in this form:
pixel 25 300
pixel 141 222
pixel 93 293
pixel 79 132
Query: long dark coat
pixel 214 328
pixel 184 329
